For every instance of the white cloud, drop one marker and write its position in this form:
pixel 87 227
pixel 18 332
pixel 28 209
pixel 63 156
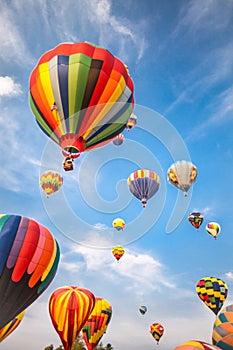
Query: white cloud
pixel 8 87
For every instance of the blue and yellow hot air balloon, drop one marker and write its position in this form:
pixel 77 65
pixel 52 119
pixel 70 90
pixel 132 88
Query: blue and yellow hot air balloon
pixel 222 335
pixel 143 184
pixel 143 309
pixel 81 96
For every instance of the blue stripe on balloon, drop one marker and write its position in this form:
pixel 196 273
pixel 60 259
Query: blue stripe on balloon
pixel 63 67
pixel 7 236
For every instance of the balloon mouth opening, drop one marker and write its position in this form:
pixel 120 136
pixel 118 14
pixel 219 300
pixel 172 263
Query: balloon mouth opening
pixel 72 145
pixel 144 202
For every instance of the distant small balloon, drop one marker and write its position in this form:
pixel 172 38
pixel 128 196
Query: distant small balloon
pixel 143 309
pixel 132 121
pixel 157 330
pixel 118 140
pixel 213 228
pixel 195 219
pixel 118 252
pixel 118 224
pixel 182 174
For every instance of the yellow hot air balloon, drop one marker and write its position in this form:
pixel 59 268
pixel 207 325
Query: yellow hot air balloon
pixel 118 224
pixel 69 309
pixel 118 252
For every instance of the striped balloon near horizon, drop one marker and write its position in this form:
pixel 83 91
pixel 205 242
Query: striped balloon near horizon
pixel 29 256
pixel 97 323
pixel 69 309
pixel 11 326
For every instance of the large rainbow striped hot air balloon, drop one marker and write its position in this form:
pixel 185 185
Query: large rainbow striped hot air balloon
pixel 81 95
pixel 97 323
pixel 69 309
pixel 143 184
pixel 11 326
pixel 29 257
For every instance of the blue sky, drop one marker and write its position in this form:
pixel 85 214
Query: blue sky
pixel 179 55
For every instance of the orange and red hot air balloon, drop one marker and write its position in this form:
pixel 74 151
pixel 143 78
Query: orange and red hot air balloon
pixel 69 309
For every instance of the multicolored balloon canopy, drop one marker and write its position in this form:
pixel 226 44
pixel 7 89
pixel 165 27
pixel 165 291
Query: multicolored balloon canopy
pixel 51 181
pixel 131 122
pixel 69 309
pixel 118 252
pixel 213 228
pixel 143 184
pixel 11 326
pixel 29 257
pixel 182 174
pixel 118 224
pixel 196 345
pixel 81 96
pixel 157 330
pixel 97 323
pixel 222 335
pixel 213 292
pixel 195 219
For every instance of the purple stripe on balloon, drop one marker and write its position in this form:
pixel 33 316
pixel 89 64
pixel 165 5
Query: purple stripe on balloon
pixel 19 238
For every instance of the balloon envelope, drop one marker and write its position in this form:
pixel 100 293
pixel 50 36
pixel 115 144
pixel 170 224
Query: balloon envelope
pixel 157 330
pixel 118 140
pixel 29 257
pixel 131 122
pixel 97 323
pixel 51 181
pixel 69 309
pixel 81 96
pixel 143 184
pixel 118 252
pixel 118 224
pixel 11 326
pixel 213 228
pixel 213 292
pixel 222 335
pixel 196 345
pixel 195 219
pixel 143 309
pixel 182 174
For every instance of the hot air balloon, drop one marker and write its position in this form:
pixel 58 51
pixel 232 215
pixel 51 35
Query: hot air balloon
pixel 157 330
pixel 118 224
pixel 196 345
pixel 143 309
pixel 213 292
pixel 213 228
pixel 131 122
pixel 118 252
pixel 143 184
pixel 182 174
pixel 11 326
pixel 69 309
pixel 51 181
pixel 29 257
pixel 222 335
pixel 97 323
pixel 81 96
pixel 195 219
pixel 118 140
